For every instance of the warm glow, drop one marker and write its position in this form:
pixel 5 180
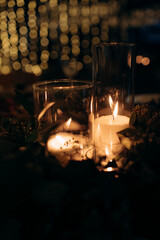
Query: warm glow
pixel 108 150
pixel 37 70
pixel 68 123
pixel 33 56
pixel 109 169
pixel 115 112
pixel 110 102
pixel 91 106
pixel 95 19
pixel 60 140
pixel 44 65
pixel 28 68
pixel 79 66
pixel 142 60
pixel 145 61
pixel 42 9
pixel 75 40
pixel 66 50
pixel 95 40
pixel 16 66
pixel 23 30
pixel 20 3
pixel 139 59
pixel 24 61
pixel 98 128
pixel 73 29
pixel 11 4
pixel 114 109
pixel 62 7
pixel 44 56
pixel 75 50
pixel 64 39
pixel 53 3
pixel 73 11
pixel 44 42
pixel 33 34
pixel 56 25
pixel 32 5
pixel 6 69
pixel 87 59
pixel 65 57
pixel 81 147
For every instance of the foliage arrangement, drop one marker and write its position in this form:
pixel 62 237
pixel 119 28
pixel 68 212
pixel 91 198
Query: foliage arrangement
pixel 142 138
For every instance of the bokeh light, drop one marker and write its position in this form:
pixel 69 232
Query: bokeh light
pixel 34 33
pixel 145 61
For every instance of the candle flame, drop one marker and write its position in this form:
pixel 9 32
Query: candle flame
pixel 109 169
pixel 113 108
pixel 110 102
pixel 67 124
pixel 115 112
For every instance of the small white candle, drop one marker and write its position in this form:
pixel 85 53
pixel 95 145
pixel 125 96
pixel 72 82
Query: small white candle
pixel 68 146
pixel 62 142
pixel 70 125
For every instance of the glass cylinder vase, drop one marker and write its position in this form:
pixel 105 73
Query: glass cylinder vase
pixel 113 76
pixel 62 112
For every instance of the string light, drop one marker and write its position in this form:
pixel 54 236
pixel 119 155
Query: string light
pixel 32 34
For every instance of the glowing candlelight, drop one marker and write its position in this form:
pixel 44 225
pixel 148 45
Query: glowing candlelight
pixel 110 102
pixel 106 127
pixel 67 124
pixel 109 169
pixel 61 142
pixel 70 125
pixel 115 112
pixel 108 150
pixel 67 145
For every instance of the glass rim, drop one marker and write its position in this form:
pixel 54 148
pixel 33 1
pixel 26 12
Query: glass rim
pixel 111 44
pixel 46 85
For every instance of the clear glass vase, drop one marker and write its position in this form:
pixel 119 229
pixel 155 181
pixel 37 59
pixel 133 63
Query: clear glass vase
pixel 62 113
pixel 113 76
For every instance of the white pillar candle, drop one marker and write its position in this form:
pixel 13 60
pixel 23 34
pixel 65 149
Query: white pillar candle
pixel 106 128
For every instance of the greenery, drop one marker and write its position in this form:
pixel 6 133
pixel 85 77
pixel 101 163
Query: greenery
pixel 141 140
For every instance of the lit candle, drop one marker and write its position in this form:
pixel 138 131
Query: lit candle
pixel 70 125
pixel 67 145
pixel 106 127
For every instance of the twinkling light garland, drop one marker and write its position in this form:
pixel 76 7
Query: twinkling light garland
pixel 34 33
